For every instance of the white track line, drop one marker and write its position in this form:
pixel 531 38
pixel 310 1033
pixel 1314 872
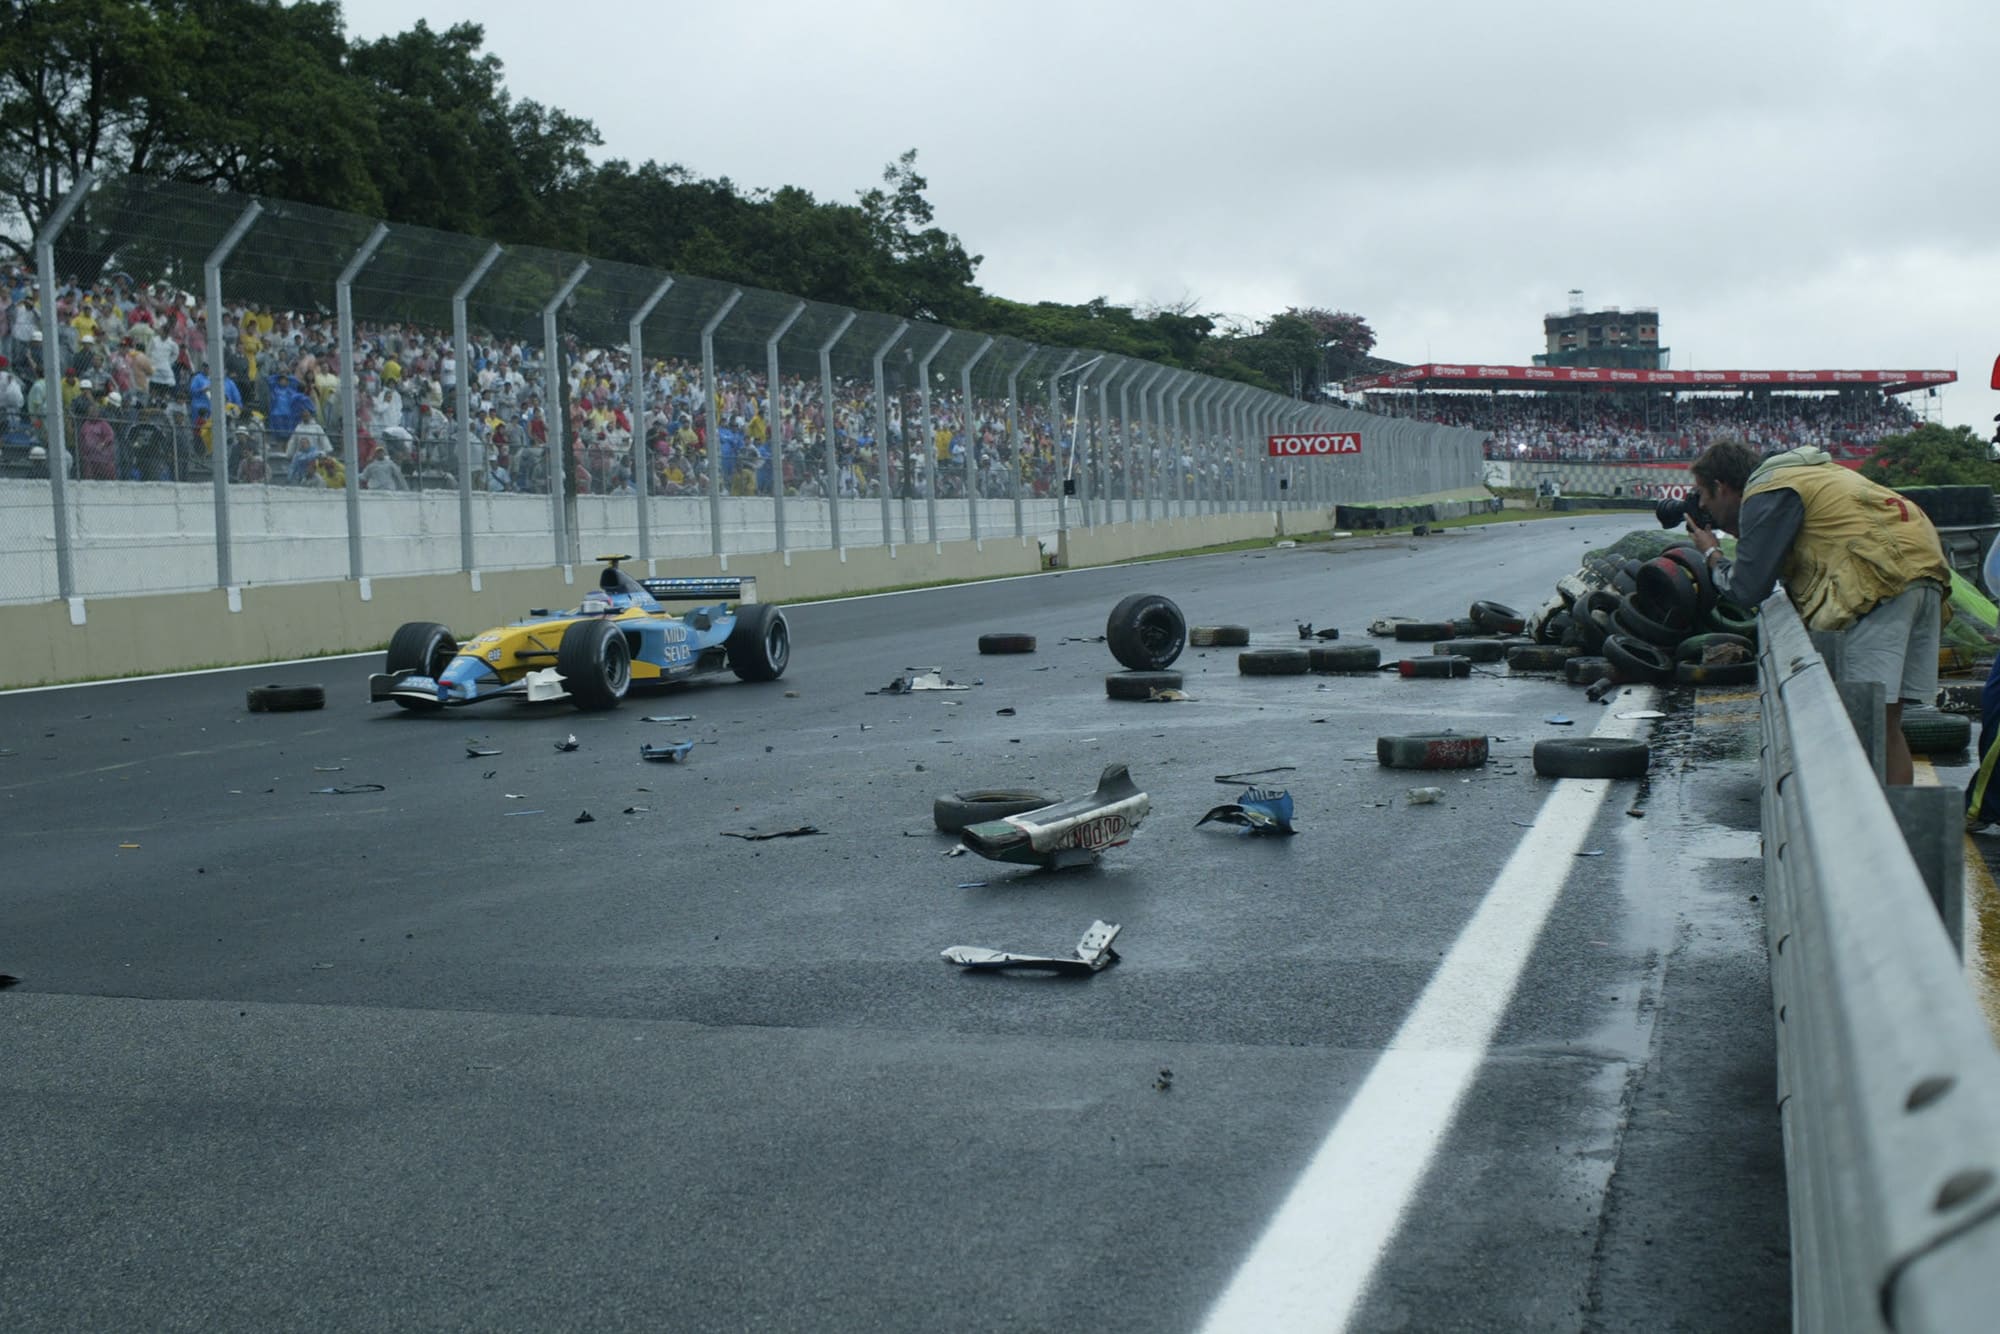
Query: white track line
pixel 1311 1267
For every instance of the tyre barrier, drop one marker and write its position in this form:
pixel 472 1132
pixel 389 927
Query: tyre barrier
pixel 1414 632
pixel 1584 670
pixel 1218 636
pixel 1006 642
pixel 1437 665
pixel 1497 618
pixel 1538 657
pixel 1636 660
pixel 1479 650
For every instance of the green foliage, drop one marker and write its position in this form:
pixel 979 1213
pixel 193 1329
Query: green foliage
pixel 270 97
pixel 1933 455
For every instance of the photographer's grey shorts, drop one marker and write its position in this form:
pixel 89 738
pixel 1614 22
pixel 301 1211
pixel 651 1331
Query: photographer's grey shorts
pixel 1897 644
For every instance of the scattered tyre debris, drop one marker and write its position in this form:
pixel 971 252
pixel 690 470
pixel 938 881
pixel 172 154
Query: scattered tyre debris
pixel 1437 665
pixel 1582 670
pixel 1538 657
pixel 1140 685
pixel 1274 662
pixel 803 831
pixel 1218 636
pixel 568 743
pixel 1929 732
pixel 1636 660
pixel 285 699
pixel 1479 650
pixel 1497 619
pixel 1423 796
pixel 1093 953
pixel 1414 632
pixel 1431 750
pixel 1006 642
pixel 1068 833
pixel 1345 658
pixel 1592 757
pixel 1145 632
pixel 953 812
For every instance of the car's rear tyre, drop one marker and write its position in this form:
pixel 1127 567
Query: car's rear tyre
pixel 1145 632
pixel 285 699
pixel 1006 642
pixel 954 812
pixel 420 646
pixel 760 643
pixel 595 663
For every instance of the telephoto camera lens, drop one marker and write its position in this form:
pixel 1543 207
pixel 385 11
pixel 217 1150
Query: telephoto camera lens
pixel 1671 513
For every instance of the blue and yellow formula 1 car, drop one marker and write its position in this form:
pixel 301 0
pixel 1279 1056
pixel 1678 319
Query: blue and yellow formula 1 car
pixel 621 636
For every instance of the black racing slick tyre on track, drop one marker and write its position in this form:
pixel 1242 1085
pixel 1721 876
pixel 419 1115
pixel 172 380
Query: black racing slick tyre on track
pixel 1219 636
pixel 1497 619
pixel 1006 643
pixel 1636 660
pixel 1274 662
pixel 1140 685
pixel 1592 757
pixel 595 663
pixel 1345 658
pixel 1431 750
pixel 1145 632
pixel 285 699
pixel 954 812
pixel 424 647
pixel 1929 732
pixel 760 644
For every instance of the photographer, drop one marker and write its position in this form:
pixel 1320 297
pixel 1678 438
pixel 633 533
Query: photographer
pixel 1855 556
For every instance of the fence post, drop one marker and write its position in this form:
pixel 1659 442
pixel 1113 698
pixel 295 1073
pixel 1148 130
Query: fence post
pixel 553 372
pixel 774 430
pixel 52 379
pixel 1175 441
pixel 218 389
pixel 972 496
pixel 461 392
pixel 642 449
pixel 1125 440
pixel 1014 438
pixel 928 443
pixel 1100 460
pixel 882 433
pixel 350 434
pixel 1055 440
pixel 714 424
pixel 827 430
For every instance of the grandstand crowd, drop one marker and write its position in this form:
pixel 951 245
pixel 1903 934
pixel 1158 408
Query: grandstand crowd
pixel 132 366
pixel 1603 427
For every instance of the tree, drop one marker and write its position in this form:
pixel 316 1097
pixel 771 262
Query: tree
pixel 1933 455
pixel 1345 340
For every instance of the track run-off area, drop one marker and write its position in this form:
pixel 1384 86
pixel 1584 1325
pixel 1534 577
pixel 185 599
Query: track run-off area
pixel 427 1052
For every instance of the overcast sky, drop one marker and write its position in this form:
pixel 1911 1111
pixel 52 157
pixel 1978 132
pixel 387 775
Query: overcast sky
pixel 1794 186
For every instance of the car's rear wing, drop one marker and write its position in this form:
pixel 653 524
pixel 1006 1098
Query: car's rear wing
pixel 727 588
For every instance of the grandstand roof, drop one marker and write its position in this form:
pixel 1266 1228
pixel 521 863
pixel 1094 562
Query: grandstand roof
pixel 1439 375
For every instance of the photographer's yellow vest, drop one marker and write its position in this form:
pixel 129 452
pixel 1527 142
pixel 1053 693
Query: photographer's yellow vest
pixel 1860 545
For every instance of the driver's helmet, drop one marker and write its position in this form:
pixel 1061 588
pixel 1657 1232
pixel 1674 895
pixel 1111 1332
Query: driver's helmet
pixel 596 602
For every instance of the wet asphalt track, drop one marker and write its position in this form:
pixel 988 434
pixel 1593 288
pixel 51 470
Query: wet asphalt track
pixel 423 1059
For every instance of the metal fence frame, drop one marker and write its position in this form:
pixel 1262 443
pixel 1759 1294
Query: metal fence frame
pixel 981 394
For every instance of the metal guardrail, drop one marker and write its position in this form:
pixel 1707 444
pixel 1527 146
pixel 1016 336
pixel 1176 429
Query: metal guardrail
pixel 1889 1082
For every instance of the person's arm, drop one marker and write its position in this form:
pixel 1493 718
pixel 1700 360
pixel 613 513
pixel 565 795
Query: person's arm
pixel 1770 522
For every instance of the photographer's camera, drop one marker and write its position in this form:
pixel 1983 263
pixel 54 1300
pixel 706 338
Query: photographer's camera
pixel 1678 510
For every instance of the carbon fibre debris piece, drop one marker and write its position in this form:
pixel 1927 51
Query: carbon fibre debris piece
pixel 1093 954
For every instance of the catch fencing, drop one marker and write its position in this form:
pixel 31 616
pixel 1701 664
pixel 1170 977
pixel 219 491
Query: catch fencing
pixel 399 400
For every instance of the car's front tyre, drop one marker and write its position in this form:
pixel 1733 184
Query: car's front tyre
pixel 595 663
pixel 760 643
